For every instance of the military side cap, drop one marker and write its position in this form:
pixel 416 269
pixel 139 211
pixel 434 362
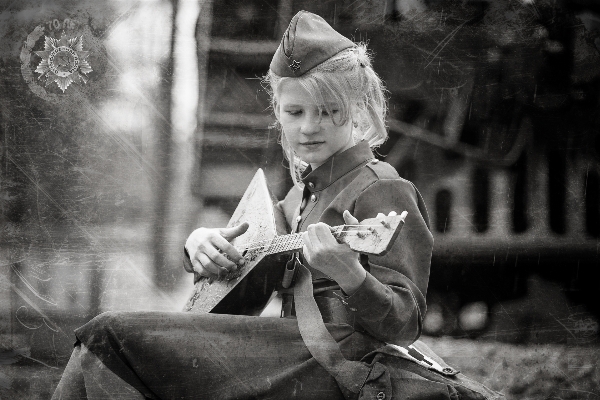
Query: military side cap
pixel 308 41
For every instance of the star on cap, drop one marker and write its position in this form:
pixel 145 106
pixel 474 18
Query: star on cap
pixel 295 65
pixel 307 42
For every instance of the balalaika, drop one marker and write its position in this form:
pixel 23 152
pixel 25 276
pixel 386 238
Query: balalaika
pixel 264 245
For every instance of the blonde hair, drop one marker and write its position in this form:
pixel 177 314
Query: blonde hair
pixel 347 79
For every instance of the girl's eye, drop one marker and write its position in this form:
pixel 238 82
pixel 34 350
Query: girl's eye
pixel 325 113
pixel 294 112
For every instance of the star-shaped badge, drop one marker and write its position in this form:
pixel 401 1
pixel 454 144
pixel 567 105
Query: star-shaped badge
pixel 62 61
pixel 295 65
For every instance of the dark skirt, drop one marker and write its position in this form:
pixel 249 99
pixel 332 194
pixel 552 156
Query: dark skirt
pixel 208 356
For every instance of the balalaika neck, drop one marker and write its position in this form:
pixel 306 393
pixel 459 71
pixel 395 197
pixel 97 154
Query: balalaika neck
pixel 286 243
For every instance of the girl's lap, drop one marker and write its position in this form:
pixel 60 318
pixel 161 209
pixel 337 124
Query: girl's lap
pixel 186 355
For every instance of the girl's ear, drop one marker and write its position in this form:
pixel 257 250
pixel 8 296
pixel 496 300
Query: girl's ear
pixel 276 110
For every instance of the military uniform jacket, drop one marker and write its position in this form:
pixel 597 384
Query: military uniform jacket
pixel 390 304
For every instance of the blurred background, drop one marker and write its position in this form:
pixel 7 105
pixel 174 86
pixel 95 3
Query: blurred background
pixel 124 125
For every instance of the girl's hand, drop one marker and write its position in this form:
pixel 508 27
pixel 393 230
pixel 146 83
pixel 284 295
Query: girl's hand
pixel 211 253
pixel 336 260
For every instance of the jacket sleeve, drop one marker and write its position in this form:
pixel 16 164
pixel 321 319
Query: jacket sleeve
pixel 390 304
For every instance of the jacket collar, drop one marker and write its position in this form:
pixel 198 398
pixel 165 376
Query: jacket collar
pixel 336 167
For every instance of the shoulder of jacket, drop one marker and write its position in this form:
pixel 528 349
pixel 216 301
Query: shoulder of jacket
pixel 383 173
pixel 382 170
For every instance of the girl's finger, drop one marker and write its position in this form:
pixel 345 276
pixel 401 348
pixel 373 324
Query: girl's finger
pixel 309 242
pixel 230 233
pixel 211 269
pixel 309 236
pixel 323 234
pixel 306 253
pixel 349 218
pixel 392 214
pixel 219 259
pixel 197 266
pixel 319 235
pixel 226 247
pixel 304 237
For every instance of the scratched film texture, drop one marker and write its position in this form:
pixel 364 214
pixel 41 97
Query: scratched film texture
pixel 150 120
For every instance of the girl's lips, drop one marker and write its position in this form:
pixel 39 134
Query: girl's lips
pixel 311 143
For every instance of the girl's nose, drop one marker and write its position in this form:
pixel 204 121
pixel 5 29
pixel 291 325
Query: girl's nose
pixel 311 124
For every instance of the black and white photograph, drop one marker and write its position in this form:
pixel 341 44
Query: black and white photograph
pixel 300 199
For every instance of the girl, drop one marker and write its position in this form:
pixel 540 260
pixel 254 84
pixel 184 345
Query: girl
pixel 330 107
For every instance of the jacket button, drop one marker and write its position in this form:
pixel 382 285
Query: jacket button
pixel 380 396
pixel 299 218
pixel 375 161
pixel 313 198
pixel 311 185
